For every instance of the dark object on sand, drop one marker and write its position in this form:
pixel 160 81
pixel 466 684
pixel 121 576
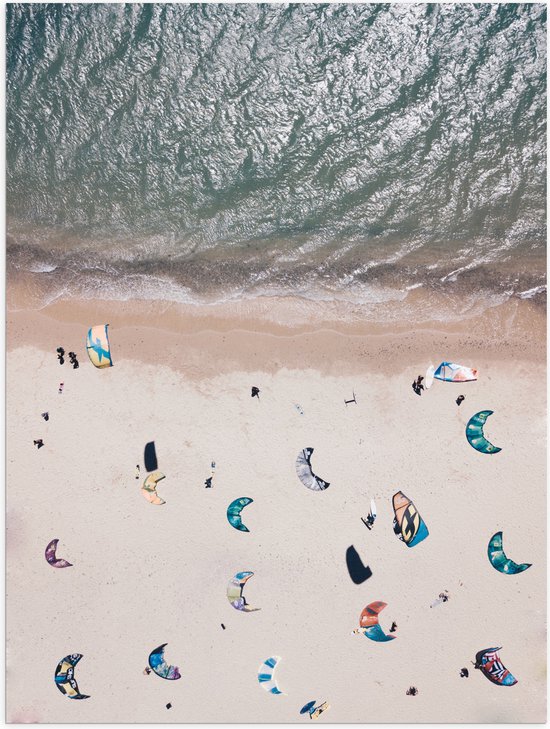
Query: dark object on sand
pixel 368 522
pixel 223 626
pixel 460 399
pixel 358 572
pixel 464 673
pixel 168 706
pixel 74 361
pixel 393 627
pixel 255 392
pixel 61 359
pixel 417 385
pixel 412 691
pixel 353 399
pixel 46 416
pixel 150 456
pixel 38 443
pixel 208 483
pixel 61 386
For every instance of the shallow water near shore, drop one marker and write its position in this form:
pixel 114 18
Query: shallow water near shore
pixel 210 153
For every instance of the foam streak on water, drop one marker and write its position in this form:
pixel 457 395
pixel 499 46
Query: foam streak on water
pixel 237 150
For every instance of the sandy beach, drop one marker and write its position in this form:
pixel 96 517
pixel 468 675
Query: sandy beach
pixel 144 575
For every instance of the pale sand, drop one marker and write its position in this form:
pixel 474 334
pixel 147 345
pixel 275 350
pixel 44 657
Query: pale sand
pixel 145 575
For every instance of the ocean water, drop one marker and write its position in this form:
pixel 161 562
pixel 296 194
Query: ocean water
pixel 202 153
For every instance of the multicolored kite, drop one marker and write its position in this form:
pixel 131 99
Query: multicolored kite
pixel 488 661
pixel 408 524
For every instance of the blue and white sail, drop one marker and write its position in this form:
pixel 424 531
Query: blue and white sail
pixel 265 675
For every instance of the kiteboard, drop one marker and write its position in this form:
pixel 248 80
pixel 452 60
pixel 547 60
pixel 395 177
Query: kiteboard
pixel 325 706
pixel 429 379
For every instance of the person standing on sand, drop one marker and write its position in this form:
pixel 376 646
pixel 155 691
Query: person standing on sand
pixel 417 385
pixel 61 386
pixel 137 471
pixel 460 399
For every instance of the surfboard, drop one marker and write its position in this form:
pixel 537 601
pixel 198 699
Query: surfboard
pixel 429 379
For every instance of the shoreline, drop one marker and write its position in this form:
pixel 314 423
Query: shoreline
pixel 208 341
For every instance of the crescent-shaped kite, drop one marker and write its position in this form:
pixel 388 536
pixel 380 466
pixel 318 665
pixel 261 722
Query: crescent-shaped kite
pixel 265 675
pixel 149 488
pixel 160 667
pixel 52 559
pixel 475 436
pixel 234 513
pixel 98 347
pixel 369 625
pixel 235 592
pixel 500 561
pixel 64 677
pixel 305 472
pixel 488 661
pixel 408 524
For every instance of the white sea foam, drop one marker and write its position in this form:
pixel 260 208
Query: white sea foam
pixel 530 293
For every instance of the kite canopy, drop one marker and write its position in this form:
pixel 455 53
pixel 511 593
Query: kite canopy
pixel 149 488
pixel 150 456
pixel 52 558
pixel 307 708
pixel 64 677
pixel 475 436
pixel 235 592
pixel 234 513
pixel 159 665
pixel 97 346
pixel 305 472
pixel 408 524
pixel 488 661
pixel 451 372
pixel 368 621
pixel 499 560
pixel 265 675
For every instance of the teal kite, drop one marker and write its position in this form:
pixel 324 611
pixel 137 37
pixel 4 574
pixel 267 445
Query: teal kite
pixel 234 513
pixel 500 561
pixel 475 436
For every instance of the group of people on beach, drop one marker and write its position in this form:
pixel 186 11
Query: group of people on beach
pixel 72 357
pixel 39 442
pixel 417 385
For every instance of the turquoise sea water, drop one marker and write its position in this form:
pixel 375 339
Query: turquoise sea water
pixel 206 152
